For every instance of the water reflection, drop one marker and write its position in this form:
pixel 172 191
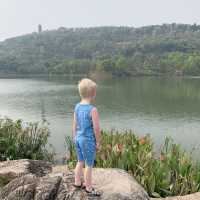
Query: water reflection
pixel 159 106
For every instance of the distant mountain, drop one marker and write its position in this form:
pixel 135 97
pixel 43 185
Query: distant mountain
pixel 159 49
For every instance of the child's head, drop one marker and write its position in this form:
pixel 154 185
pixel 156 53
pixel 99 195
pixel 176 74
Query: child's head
pixel 87 89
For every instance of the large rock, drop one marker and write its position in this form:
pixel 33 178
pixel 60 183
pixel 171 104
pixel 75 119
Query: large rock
pixel 115 184
pixel 20 188
pixel 118 184
pixel 38 180
pixel 16 168
pixel 195 196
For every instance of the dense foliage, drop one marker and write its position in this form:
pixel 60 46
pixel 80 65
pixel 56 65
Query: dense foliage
pixel 165 49
pixel 169 172
pixel 19 140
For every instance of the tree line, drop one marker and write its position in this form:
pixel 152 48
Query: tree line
pixel 121 51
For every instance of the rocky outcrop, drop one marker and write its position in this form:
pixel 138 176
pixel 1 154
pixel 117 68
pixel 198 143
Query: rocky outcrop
pixel 38 180
pixel 28 184
pixel 118 184
pixel 17 168
pixel 195 196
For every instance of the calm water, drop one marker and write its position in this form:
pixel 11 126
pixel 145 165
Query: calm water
pixel 159 106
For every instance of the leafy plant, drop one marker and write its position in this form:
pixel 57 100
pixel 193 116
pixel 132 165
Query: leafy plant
pixel 172 171
pixel 20 140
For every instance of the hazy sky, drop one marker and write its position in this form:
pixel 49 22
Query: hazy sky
pixel 19 17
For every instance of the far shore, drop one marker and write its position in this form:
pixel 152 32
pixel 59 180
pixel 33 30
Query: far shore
pixel 96 76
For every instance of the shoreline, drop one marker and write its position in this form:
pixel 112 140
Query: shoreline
pixel 15 75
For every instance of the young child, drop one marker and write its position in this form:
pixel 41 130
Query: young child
pixel 86 132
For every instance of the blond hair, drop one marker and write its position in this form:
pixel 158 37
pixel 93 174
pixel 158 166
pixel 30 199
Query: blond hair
pixel 87 88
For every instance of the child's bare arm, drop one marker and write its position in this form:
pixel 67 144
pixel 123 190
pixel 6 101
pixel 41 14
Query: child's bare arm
pixel 96 126
pixel 74 126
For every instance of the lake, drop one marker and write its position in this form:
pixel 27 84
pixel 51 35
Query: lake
pixel 159 106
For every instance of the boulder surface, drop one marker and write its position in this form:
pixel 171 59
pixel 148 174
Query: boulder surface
pixel 16 168
pixel 39 180
pixel 195 196
pixel 30 184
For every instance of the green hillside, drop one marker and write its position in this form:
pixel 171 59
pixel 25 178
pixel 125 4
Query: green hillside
pixel 152 50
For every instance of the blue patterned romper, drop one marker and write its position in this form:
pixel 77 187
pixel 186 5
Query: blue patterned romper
pixel 85 139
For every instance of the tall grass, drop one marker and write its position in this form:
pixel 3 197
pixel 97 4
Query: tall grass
pixel 172 171
pixel 20 140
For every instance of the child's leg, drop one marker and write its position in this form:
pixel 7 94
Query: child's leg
pixel 88 182
pixel 88 150
pixel 88 177
pixel 79 165
pixel 89 155
pixel 78 172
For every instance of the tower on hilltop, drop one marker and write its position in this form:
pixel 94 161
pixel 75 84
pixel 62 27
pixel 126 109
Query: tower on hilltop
pixel 39 28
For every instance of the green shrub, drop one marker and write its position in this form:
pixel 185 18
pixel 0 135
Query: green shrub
pixel 20 140
pixel 169 172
